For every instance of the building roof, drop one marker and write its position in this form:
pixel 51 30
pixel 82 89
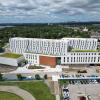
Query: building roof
pixel 79 38
pixel 10 55
pixel 62 39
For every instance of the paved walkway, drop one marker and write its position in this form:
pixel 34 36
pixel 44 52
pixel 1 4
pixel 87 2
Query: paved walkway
pixel 20 92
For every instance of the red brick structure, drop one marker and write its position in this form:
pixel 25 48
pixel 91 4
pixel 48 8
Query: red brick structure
pixel 48 61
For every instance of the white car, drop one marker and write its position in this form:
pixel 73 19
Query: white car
pixel 95 81
pixel 65 94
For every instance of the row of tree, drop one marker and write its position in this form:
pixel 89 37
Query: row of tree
pixel 39 31
pixel 37 77
pixel 20 77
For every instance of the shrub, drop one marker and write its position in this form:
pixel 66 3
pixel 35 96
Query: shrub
pixel 63 82
pixel 69 48
pixel 19 76
pixel 37 77
pixel 1 77
pixel 1 50
pixel 35 67
pixel 82 71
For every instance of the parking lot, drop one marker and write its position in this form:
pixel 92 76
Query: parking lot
pixel 91 91
pixel 81 84
pixel 73 82
pixel 75 88
pixel 65 91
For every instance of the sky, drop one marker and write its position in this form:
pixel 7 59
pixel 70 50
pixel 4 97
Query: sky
pixel 48 11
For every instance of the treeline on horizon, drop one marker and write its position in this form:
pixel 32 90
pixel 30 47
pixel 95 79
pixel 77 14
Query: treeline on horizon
pixel 60 23
pixel 39 31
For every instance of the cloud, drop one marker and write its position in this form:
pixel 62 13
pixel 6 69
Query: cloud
pixel 49 8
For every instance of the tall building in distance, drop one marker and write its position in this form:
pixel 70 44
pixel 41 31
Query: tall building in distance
pixel 52 52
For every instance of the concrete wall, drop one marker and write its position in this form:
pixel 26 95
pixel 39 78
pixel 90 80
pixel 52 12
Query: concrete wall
pixel 10 61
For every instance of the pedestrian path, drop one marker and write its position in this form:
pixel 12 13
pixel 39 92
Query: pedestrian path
pixel 16 90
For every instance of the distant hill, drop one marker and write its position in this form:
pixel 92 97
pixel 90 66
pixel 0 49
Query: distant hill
pixel 62 23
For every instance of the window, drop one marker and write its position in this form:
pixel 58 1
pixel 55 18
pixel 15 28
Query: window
pixel 35 57
pixel 71 59
pixel 74 59
pixel 64 59
pixel 67 59
pixel 98 59
pixel 94 59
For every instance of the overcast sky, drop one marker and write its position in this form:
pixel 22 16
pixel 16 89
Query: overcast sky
pixel 49 10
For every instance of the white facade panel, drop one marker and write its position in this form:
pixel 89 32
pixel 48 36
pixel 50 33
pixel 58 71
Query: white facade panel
pixel 81 58
pixel 82 43
pixel 40 46
pixel 32 58
pixel 32 47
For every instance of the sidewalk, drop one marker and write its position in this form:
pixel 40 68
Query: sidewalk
pixel 20 92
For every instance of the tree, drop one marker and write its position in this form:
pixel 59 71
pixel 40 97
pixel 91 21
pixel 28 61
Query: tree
pixel 1 50
pixel 19 76
pixel 45 76
pixel 1 77
pixel 37 77
pixel 69 48
pixel 40 31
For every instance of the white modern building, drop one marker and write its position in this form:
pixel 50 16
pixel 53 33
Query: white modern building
pixel 52 52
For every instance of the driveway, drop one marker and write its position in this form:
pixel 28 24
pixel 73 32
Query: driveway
pixel 16 90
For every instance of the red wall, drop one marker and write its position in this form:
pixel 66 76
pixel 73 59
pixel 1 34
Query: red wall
pixel 49 61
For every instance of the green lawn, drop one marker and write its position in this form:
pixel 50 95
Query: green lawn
pixel 37 88
pixel 10 55
pixel 62 82
pixel 9 96
pixel 77 50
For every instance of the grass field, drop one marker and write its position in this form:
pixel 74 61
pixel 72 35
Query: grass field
pixel 37 88
pixel 10 55
pixel 9 96
pixel 78 50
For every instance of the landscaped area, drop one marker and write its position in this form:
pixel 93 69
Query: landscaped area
pixel 63 82
pixel 10 55
pixel 78 50
pixel 37 88
pixel 35 67
pixel 9 96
